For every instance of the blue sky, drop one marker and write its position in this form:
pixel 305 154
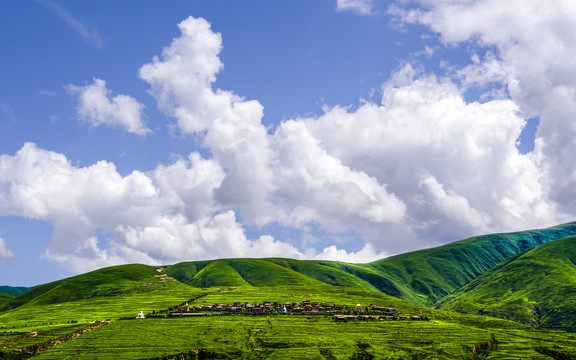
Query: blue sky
pixel 348 130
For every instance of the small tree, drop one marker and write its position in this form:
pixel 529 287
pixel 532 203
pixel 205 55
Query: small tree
pixel 361 352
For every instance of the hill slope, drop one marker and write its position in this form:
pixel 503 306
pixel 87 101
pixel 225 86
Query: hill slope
pixel 421 277
pixel 264 272
pixel 536 287
pixel 106 282
pixel 432 274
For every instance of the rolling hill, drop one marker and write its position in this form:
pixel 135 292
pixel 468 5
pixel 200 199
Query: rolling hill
pixel 431 274
pixel 7 293
pixel 535 287
pixel 422 277
pixel 106 282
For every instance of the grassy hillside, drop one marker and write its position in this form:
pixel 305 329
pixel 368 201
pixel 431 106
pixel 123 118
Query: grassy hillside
pixel 127 280
pixel 264 272
pixel 432 274
pixel 535 287
pixel 421 277
pixel 5 297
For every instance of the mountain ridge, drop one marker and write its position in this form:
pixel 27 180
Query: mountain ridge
pixel 420 277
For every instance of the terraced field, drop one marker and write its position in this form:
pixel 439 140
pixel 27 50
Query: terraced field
pixel 302 337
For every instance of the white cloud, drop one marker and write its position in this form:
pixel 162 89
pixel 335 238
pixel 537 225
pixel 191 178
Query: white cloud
pixel 534 59
pixel 287 177
pixel 362 7
pixel 5 253
pixel 231 127
pixel 420 167
pixel 364 255
pixel 96 107
pixel 314 186
pixel 437 153
pixel 374 169
pixel 165 215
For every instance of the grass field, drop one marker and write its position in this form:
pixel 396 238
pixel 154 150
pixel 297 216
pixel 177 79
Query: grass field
pixel 298 337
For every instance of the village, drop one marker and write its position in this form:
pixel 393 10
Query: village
pixel 306 307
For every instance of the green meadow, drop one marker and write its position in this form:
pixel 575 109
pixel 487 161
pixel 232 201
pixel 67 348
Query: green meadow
pixel 527 277
pixel 308 337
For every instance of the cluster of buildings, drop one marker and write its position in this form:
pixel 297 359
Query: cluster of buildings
pixel 305 307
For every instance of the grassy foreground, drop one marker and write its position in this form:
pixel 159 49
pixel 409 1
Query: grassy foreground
pixel 298 337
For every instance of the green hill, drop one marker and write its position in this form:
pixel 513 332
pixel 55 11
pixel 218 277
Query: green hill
pixel 422 277
pixel 5 298
pixel 264 272
pixel 7 293
pixel 106 282
pixel 432 274
pixel 535 287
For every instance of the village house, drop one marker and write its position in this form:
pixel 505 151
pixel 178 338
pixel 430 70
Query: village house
pixel 305 307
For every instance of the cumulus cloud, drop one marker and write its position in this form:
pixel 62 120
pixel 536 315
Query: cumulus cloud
pixel 362 7
pixel 419 167
pixel 231 127
pixel 102 218
pixel 287 177
pixel 453 165
pixel 315 186
pixel 364 255
pixel 534 59
pixel 96 107
pixel 422 164
pixel 5 253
